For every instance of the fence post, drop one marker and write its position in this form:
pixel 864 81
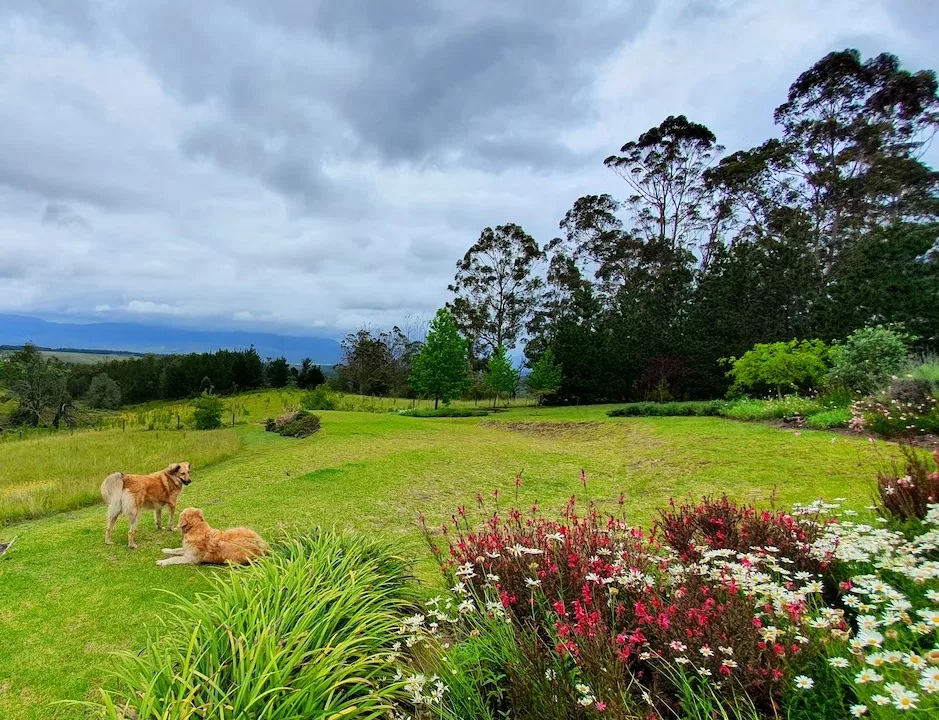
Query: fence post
pixel 177 421
pixel 233 418
pixel 123 424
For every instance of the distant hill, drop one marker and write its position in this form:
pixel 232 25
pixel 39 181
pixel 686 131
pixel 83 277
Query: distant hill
pixel 134 338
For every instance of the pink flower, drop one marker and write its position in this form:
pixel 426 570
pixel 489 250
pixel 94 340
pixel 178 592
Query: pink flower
pixel 601 706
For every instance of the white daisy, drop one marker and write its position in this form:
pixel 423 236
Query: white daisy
pixel 804 683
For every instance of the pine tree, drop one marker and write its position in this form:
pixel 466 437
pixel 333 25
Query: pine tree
pixel 546 375
pixel 441 369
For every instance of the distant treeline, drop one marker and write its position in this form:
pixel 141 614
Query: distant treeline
pixel 175 377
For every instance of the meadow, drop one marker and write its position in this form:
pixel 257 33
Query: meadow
pixel 67 600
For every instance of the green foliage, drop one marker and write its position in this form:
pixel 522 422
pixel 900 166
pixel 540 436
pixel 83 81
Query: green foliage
pixel 791 366
pixel 827 419
pixel 926 368
pixel 306 632
pixel 493 677
pixel 175 377
pixel 826 228
pixel 309 376
pixel 103 393
pixel 298 424
pixel 869 357
pixel 208 412
pixel 671 409
pixel 320 398
pixel 546 376
pixel 458 412
pixel 277 372
pixel 788 406
pixel 501 376
pixel 39 385
pixel 375 363
pixel 440 370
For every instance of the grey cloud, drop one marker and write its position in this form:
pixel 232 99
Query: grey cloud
pixel 314 164
pixel 63 214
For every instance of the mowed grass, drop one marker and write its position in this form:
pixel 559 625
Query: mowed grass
pixel 66 599
pixel 48 473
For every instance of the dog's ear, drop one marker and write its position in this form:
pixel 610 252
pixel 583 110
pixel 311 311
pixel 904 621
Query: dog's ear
pixel 173 469
pixel 188 518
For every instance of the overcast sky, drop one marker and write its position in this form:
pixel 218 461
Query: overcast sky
pixel 308 166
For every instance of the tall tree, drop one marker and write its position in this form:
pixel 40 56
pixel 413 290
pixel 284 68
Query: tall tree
pixel 309 375
pixel 496 288
pixel 501 376
pixel 441 370
pixel 665 169
pixel 278 372
pixel 849 159
pixel 376 364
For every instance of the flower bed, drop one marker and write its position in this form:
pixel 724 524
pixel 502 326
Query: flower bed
pixel 720 610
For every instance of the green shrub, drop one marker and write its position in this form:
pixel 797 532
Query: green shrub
pixel 208 412
pixel 320 398
pixel 827 419
pixel 445 412
pixel 670 409
pixel 780 366
pixel 772 409
pixel 867 360
pixel 298 424
pixel 304 633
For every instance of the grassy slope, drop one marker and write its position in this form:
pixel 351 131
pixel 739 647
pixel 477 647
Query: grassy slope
pixel 66 599
pixel 49 473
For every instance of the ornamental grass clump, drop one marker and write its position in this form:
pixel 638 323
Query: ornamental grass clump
pixel 310 632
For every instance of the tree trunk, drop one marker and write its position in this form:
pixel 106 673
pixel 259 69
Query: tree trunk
pixel 436 400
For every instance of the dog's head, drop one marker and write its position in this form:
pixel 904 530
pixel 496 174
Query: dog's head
pixel 191 518
pixel 180 471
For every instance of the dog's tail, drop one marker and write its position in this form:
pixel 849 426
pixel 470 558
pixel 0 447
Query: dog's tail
pixel 112 488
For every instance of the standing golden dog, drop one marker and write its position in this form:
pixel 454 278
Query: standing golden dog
pixel 204 544
pixel 129 494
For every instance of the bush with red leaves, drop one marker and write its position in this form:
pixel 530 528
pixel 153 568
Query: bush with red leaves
pixel 711 524
pixel 908 496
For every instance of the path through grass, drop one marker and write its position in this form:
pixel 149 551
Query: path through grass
pixel 66 599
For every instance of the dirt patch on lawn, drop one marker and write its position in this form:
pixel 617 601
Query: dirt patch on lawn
pixel 584 430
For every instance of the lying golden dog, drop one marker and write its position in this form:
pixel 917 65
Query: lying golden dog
pixel 129 494
pixel 204 544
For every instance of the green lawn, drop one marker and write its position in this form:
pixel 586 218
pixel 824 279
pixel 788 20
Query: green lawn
pixel 66 599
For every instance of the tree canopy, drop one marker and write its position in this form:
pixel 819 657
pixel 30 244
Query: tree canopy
pixel 440 370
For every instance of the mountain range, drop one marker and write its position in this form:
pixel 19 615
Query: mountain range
pixel 139 338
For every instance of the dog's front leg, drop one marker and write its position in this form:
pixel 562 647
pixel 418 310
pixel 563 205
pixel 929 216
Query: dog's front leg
pixel 178 560
pixel 158 514
pixel 174 551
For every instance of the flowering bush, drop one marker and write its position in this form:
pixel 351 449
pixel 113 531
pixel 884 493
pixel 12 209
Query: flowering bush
pixel 908 496
pixel 893 418
pixel 624 611
pixel 691 529
pixel 721 606
pixel 882 644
